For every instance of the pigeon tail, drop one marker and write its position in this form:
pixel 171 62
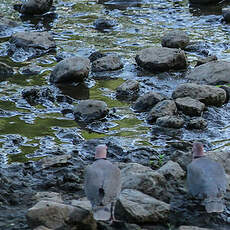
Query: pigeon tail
pixel 102 212
pixel 214 205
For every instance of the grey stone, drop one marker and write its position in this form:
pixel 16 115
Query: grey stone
pixel 147 101
pixel 52 161
pixel 207 94
pixel 226 14
pixel 90 110
pixel 141 208
pixel 214 72
pixel 204 2
pixel 128 90
pixel 158 59
pixel 162 108
pixel 107 63
pixel 190 106
pixel 74 69
pixel 175 39
pixel 170 122
pixel 202 61
pixel 197 123
pixel 184 227
pixel 5 71
pixel 102 23
pixel 53 196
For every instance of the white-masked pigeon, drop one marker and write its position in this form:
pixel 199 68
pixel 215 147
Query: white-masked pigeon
pixel 102 185
pixel 206 180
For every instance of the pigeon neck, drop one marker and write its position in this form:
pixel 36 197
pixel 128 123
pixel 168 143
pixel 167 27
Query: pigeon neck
pixel 104 158
pixel 196 157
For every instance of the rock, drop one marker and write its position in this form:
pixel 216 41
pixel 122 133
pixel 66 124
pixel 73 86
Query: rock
pixel 204 2
pixel 158 59
pixel 52 196
pixel 96 55
pixel 128 90
pixel 172 170
pixel 102 24
pixel 190 106
pixel 142 178
pixel 205 60
pixel 31 69
pixel 117 225
pixel 84 203
pixel 170 122
pixel 226 14
pixel 207 94
pixel 34 7
pixel 162 108
pixel 5 71
pixel 107 63
pixel 175 39
pixel 197 123
pixel 214 73
pixel 146 102
pixel 42 228
pixel 183 158
pixel 7 27
pixel 227 90
pixel 90 110
pixel 160 131
pixel 74 69
pixel 135 206
pixel 54 161
pixel 56 215
pixel 183 227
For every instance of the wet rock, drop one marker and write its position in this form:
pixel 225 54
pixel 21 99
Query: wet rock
pixel 135 206
pixel 42 228
pixel 158 59
pixel 197 123
pixel 83 203
pixel 74 69
pixel 56 215
pixel 202 61
pixel 117 225
pixel 183 158
pixel 159 131
pixel 203 2
pixel 227 90
pixel 147 101
pixel 90 110
pixel 7 27
pixel 34 7
pixel 209 95
pixel 54 161
pixel 226 14
pixel 184 227
pixel 96 55
pixel 162 108
pixel 128 90
pixel 31 70
pixel 102 24
pixel 5 71
pixel 175 39
pixel 190 106
pixel 200 48
pixel 52 196
pixel 107 63
pixel 170 122
pixel 214 72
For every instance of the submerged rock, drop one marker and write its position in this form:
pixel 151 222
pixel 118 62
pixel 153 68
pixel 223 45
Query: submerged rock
pixel 175 39
pixel 5 71
pixel 226 14
pixel 128 90
pixel 207 94
pixel 214 72
pixel 90 110
pixel 156 59
pixel 74 69
pixel 102 24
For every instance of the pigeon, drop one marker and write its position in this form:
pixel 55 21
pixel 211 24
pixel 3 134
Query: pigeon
pixel 206 180
pixel 102 185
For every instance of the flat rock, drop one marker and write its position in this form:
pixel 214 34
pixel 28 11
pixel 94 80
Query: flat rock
pixel 162 108
pixel 214 73
pixel 170 122
pixel 74 69
pixel 107 63
pixel 157 59
pixel 147 101
pixel 190 106
pixel 207 94
pixel 175 39
pixel 54 161
pixel 138 207
pixel 128 90
pixel 90 110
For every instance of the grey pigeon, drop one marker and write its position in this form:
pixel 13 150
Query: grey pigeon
pixel 206 180
pixel 102 185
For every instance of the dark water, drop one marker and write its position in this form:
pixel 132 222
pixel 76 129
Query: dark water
pixel 30 132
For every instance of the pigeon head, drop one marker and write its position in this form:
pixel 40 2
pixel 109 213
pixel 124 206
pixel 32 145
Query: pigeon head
pixel 101 151
pixel 198 150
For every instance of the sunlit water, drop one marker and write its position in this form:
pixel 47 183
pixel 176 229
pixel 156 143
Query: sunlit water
pixel 41 130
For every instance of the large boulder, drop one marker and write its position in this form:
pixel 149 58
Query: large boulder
pixel 90 110
pixel 214 72
pixel 162 108
pixel 147 101
pixel 74 69
pixel 157 59
pixel 175 39
pixel 135 206
pixel 207 94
